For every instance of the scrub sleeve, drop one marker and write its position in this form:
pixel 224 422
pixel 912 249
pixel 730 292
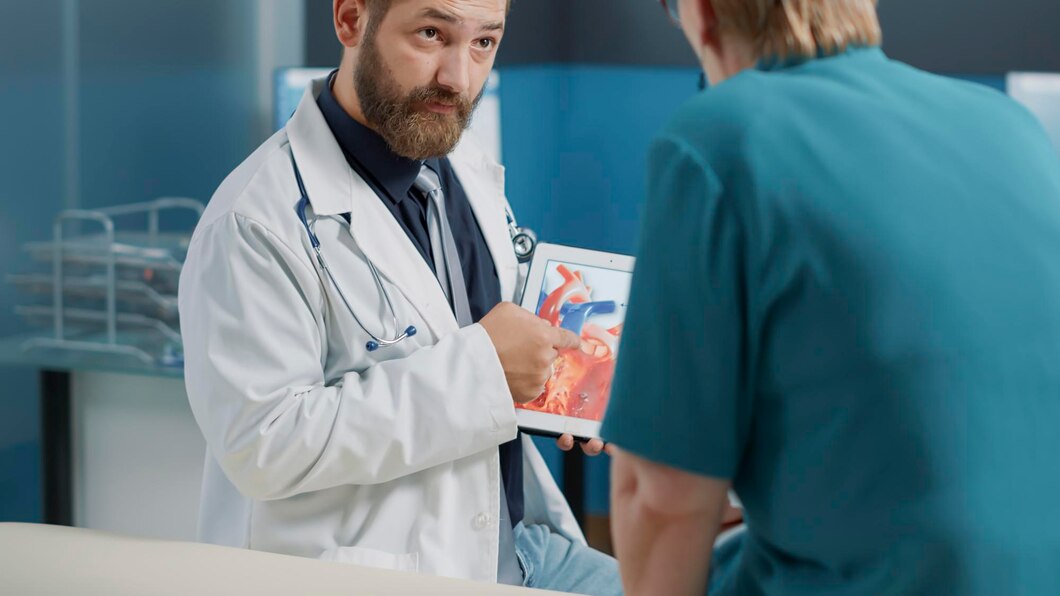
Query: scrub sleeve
pixel 680 394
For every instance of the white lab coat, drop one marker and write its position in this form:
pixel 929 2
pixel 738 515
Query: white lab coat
pixel 317 447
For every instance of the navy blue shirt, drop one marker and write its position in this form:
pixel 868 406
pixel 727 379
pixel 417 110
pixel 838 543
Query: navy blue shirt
pixel 392 176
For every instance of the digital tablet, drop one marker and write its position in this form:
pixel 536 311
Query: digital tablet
pixel 583 291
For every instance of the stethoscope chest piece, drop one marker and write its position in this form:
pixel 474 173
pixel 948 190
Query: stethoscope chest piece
pixel 524 244
pixel 524 240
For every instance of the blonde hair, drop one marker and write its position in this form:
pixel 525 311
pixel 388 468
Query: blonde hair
pixel 785 28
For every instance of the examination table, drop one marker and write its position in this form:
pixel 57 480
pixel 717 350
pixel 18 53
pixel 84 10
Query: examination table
pixel 41 559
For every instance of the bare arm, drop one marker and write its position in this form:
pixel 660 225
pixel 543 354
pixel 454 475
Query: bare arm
pixel 664 523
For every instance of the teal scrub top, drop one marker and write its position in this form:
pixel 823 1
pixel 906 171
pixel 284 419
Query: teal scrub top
pixel 847 301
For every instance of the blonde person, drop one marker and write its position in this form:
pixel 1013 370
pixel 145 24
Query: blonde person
pixel 846 308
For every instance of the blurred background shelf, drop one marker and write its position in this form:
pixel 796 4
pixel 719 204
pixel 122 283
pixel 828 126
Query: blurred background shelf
pixel 112 292
pixel 136 250
pixel 12 353
pixel 137 294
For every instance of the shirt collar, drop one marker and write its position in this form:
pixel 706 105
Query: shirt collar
pixel 365 148
pixel 773 63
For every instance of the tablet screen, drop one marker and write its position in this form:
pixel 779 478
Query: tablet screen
pixel 589 301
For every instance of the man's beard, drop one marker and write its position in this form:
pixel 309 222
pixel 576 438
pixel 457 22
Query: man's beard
pixel 403 122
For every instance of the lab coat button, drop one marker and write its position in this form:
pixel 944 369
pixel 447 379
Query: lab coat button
pixel 481 521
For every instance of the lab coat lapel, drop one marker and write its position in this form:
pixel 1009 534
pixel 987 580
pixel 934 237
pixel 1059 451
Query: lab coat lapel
pixel 483 182
pixel 334 188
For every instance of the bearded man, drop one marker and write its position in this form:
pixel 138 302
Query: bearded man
pixel 352 357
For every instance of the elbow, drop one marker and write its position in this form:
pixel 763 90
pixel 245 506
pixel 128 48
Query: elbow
pixel 263 469
pixel 255 481
pixel 661 490
pixel 274 481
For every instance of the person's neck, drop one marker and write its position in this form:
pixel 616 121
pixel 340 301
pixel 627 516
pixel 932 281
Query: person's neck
pixel 734 56
pixel 345 93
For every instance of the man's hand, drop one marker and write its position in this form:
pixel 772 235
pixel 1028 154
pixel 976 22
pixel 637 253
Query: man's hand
pixel 527 346
pixel 591 447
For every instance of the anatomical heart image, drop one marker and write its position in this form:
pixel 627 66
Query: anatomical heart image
pixel 591 302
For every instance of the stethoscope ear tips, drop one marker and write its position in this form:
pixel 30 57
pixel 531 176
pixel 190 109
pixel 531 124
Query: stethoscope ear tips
pixel 372 346
pixel 410 331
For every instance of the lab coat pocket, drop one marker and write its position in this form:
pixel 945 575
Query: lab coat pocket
pixel 369 557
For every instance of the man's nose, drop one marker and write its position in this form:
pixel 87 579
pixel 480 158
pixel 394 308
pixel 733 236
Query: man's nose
pixel 454 71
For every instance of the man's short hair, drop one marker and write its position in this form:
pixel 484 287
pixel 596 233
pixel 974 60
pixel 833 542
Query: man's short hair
pixel 785 28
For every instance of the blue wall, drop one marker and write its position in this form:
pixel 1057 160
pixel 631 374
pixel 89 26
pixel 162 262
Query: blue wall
pixel 575 143
pixel 165 110
pixel 31 166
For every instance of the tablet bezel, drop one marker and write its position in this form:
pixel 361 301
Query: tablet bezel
pixel 554 425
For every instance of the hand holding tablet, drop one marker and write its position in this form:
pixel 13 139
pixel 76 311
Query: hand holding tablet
pixel 583 292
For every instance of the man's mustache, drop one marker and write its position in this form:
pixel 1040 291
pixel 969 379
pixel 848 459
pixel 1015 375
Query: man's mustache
pixel 441 96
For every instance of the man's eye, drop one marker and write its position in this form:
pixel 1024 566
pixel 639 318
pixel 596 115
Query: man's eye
pixel 485 43
pixel 429 33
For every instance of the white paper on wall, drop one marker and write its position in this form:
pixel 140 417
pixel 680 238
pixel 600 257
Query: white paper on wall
pixel 1040 92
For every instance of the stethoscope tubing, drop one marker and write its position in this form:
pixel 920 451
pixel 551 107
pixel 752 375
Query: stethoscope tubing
pixel 524 243
pixel 376 342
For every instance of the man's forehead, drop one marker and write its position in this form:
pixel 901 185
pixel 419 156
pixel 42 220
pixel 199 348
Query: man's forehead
pixel 463 10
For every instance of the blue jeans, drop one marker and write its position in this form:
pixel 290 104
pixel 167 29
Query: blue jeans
pixel 551 562
pixel 725 560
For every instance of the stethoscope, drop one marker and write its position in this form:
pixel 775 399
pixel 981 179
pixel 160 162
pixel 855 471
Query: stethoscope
pixel 524 241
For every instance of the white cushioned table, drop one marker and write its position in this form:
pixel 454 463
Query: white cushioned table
pixel 40 559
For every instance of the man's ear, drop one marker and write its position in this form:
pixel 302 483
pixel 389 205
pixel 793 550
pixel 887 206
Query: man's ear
pixel 708 32
pixel 351 20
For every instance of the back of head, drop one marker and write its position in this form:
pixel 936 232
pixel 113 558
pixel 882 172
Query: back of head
pixel 783 28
